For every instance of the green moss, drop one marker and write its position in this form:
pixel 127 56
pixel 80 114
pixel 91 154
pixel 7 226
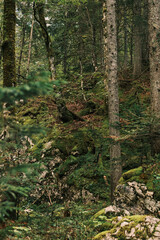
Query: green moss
pixel 137 218
pixel 149 184
pixel 100 235
pixel 132 220
pixel 133 172
pixel 99 213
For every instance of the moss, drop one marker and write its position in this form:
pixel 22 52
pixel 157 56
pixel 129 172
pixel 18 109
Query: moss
pixel 99 213
pixel 132 220
pixel 100 235
pixel 132 172
pixel 150 184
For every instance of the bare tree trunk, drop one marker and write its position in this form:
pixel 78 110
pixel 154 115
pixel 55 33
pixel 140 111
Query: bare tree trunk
pixel 21 51
pixel 137 39
pixel 93 33
pixel 125 39
pixel 113 99
pixel 145 42
pixel 30 45
pixel 154 59
pixel 82 83
pixel 105 44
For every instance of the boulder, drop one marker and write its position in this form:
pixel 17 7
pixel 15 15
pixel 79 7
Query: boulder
pixel 132 227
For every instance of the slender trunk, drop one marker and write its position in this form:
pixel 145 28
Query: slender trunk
pixel 39 9
pixel 105 44
pixel 145 47
pixel 93 36
pixel 131 45
pixel 113 99
pixel 137 39
pixel 30 45
pixel 65 44
pixel 82 83
pixel 125 39
pixel 9 66
pixel 21 51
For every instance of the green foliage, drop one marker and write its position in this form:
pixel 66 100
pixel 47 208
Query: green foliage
pixel 18 174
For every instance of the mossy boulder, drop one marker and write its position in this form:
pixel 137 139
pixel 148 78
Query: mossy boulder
pixel 132 175
pixel 132 227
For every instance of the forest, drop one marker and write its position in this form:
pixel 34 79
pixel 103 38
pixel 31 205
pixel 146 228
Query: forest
pixel 79 119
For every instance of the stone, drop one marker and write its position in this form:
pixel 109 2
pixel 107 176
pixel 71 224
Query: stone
pixel 158 228
pixel 124 224
pixel 149 194
pixel 156 234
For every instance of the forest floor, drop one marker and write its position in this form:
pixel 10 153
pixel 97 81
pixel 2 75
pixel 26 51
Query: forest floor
pixel 54 222
pixel 83 150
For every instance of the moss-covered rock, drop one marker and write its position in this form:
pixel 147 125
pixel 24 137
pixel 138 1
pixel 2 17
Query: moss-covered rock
pixel 132 227
pixel 131 175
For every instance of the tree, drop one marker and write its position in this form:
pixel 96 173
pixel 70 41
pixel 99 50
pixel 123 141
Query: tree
pixel 113 99
pixel 9 69
pixel 137 38
pixel 39 10
pixel 154 59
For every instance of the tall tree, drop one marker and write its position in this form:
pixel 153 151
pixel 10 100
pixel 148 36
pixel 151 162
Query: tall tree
pixel 154 58
pixel 113 99
pixel 9 69
pixel 40 17
pixel 137 38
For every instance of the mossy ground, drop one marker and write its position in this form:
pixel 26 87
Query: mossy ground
pixel 49 222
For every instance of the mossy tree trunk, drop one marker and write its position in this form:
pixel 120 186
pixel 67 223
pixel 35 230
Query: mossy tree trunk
pixel 9 68
pixel 113 98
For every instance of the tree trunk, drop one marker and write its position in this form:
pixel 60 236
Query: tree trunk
pixel 93 36
pixel 30 45
pixel 137 38
pixel 9 68
pixel 39 9
pixel 145 42
pixel 113 99
pixel 21 51
pixel 125 39
pixel 154 59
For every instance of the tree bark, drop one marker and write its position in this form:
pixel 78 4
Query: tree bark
pixel 137 39
pixel 125 39
pixel 8 47
pixel 21 51
pixel 154 54
pixel 30 45
pixel 113 98
pixel 154 60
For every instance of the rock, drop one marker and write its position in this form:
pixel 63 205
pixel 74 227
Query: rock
pixel 156 234
pixel 133 227
pixel 124 224
pixel 133 198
